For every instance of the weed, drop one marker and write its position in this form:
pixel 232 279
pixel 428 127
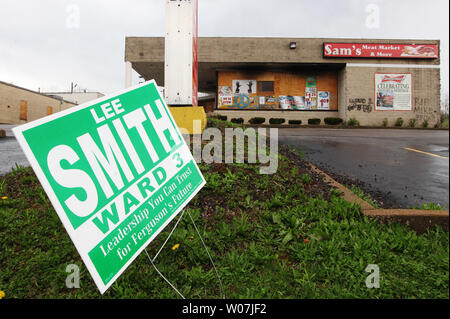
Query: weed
pixel 360 193
pixel 399 122
pixel 352 122
pixel 306 179
pixel 412 123
pixel 429 206
pixel 444 123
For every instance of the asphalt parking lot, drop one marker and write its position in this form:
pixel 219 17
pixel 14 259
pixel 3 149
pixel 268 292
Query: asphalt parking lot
pixel 10 151
pixel 405 167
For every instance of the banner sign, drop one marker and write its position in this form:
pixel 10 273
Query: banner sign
pixel 225 99
pixel 393 92
pixel 311 81
pixel 367 50
pixel 116 170
pixel 323 100
pixel 225 90
pixel 271 102
pixel 244 87
pixel 311 98
pixel 285 102
pixel 262 100
pixel 299 103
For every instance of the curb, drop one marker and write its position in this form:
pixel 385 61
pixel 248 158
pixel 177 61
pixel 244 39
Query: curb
pixel 348 195
pixel 418 219
pixel 343 127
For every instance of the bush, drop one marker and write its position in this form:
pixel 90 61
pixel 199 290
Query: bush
pixel 385 122
pixel 276 121
pixel 425 124
pixel 353 122
pixel 295 122
pixel 412 123
pixel 399 122
pixel 257 120
pixel 332 120
pixel 238 120
pixel 444 122
pixel 222 117
pixel 314 121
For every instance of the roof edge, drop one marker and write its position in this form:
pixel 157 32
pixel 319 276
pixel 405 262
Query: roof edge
pixel 29 90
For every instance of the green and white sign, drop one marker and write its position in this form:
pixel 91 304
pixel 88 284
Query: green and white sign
pixel 117 171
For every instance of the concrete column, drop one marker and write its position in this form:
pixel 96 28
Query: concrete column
pixel 342 93
pixel 128 69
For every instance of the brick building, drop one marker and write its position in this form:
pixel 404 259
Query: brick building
pixel 19 105
pixel 373 81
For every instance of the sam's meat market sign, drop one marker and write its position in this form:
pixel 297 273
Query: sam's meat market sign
pixel 368 50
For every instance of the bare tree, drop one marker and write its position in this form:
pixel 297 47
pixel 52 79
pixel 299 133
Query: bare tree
pixel 444 110
pixel 445 104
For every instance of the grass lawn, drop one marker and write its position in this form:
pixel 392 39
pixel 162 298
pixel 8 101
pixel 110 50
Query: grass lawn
pixel 286 235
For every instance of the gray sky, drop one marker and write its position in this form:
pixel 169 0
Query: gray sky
pixel 42 46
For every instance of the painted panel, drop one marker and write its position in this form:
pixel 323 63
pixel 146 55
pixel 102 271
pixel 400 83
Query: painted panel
pixel 23 110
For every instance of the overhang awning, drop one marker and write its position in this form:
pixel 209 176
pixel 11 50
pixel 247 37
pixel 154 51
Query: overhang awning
pixel 146 55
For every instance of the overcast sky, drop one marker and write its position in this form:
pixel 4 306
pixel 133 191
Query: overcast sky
pixel 45 44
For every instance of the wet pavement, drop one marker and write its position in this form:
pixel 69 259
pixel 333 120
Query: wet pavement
pixel 10 151
pixel 377 161
pixel 373 159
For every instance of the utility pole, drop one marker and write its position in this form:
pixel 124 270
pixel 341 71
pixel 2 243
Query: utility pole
pixel 72 87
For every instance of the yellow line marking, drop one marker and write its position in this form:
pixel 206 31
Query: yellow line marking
pixel 431 154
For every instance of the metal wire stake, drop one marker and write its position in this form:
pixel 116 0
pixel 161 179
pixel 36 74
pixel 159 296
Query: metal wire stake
pixel 204 245
pixel 162 246
pixel 173 287
pixel 210 258
pixel 168 237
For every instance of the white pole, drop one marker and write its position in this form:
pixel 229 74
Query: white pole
pixel 128 69
pixel 178 52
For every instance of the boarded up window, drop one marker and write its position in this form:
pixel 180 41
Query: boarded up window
pixel 49 110
pixel 290 85
pixel 266 86
pixel 23 110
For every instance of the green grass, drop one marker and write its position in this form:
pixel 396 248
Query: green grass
pixel 361 194
pixel 297 150
pixel 271 236
pixel 430 206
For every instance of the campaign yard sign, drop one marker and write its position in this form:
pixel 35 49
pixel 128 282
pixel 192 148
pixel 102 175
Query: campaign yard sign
pixel 117 171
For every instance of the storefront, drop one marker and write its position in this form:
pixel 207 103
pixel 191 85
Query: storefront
pixel 375 82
